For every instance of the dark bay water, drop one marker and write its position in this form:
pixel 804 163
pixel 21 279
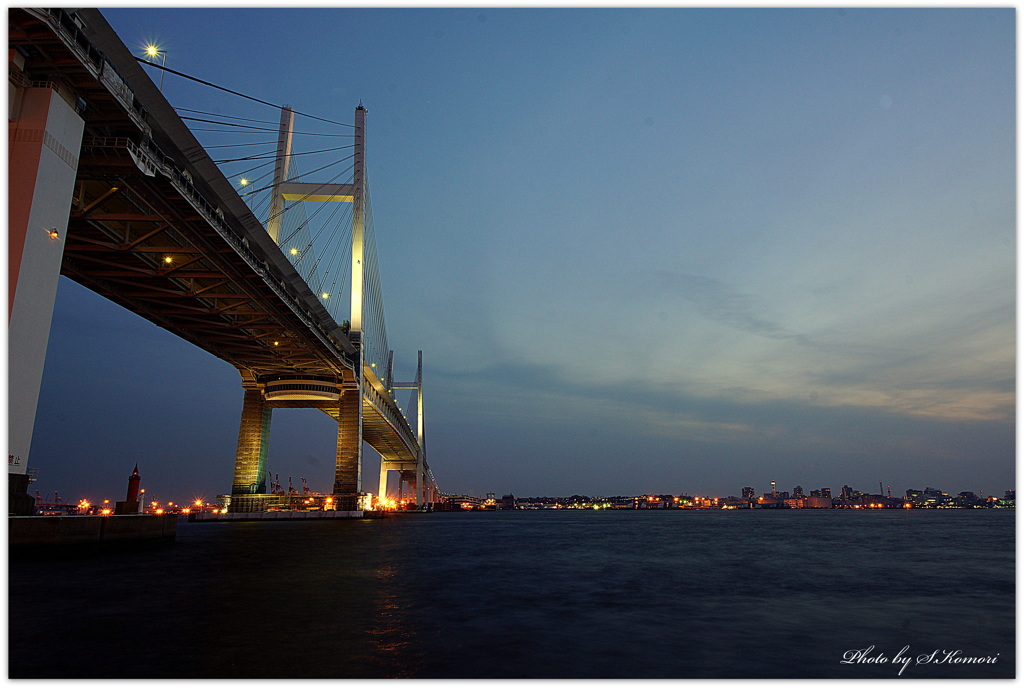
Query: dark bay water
pixel 533 594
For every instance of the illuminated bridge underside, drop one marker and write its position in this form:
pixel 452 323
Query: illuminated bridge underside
pixel 155 226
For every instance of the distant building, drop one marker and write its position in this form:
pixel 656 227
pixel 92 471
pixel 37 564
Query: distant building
pixel 656 502
pixel 748 494
pixel 817 501
pixel 508 501
pixel 460 503
pixel 798 492
pixel 826 492
pixel 968 500
pixel 930 498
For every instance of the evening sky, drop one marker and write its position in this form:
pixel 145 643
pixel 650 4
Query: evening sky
pixel 659 250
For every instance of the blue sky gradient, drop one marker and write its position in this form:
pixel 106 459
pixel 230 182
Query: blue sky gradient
pixel 671 250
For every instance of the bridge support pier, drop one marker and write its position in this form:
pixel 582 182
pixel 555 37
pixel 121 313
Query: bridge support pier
pixel 251 458
pixel 45 139
pixel 412 483
pixel 348 478
pixel 382 489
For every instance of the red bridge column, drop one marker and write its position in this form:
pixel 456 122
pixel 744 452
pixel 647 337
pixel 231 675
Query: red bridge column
pixel 45 140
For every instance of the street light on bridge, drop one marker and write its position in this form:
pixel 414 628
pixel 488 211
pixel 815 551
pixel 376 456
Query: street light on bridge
pixel 151 52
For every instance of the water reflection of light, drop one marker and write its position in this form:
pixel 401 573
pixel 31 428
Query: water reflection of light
pixel 391 632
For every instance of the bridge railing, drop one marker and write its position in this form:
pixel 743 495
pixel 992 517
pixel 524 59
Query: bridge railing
pixel 387 407
pixel 65 27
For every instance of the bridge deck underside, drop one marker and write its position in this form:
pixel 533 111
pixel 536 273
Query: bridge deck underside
pixel 135 239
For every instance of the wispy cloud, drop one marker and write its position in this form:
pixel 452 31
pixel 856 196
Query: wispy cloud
pixel 719 302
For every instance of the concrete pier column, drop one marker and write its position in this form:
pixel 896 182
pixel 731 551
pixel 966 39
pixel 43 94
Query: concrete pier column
pixel 421 499
pixel 253 440
pixel 348 478
pixel 382 490
pixel 44 142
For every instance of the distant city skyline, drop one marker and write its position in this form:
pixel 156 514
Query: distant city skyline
pixel 640 249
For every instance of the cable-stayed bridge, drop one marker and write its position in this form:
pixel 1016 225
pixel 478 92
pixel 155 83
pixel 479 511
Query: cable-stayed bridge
pixel 109 186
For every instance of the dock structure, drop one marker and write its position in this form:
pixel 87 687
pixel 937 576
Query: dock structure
pixel 55 533
pixel 282 515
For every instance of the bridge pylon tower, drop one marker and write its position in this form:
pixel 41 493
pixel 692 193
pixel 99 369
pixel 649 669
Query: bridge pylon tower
pixel 360 385
pixel 414 474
